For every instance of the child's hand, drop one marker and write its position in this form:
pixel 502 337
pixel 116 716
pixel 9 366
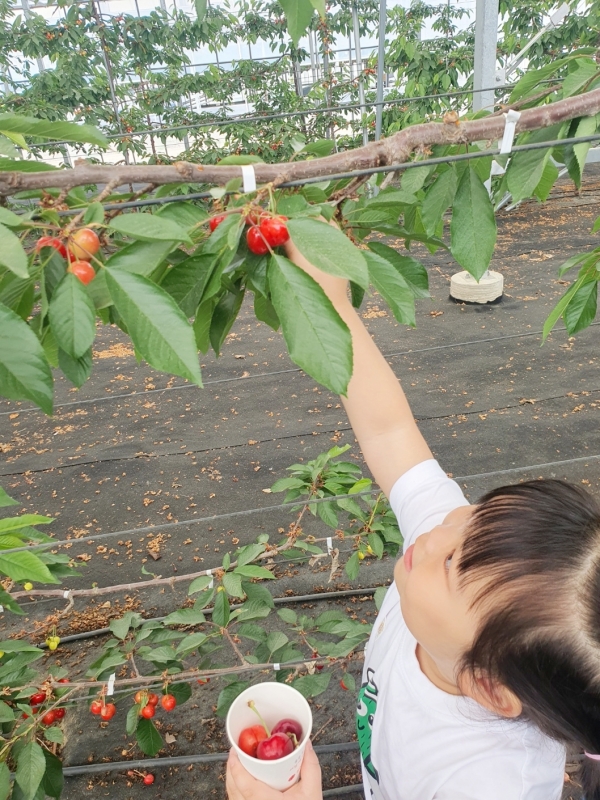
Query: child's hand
pixel 242 786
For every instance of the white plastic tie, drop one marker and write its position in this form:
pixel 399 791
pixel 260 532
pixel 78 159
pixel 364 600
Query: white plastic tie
pixel 511 118
pixel 110 688
pixel 208 572
pixel 249 177
pixel 329 545
pixel 67 594
pixel 211 585
pixel 276 667
pixel 1 609
pixel 497 169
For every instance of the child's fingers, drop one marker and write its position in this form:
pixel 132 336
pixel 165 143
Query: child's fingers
pixel 242 786
pixel 310 774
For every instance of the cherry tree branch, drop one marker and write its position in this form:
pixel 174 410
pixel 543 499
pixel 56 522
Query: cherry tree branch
pixel 396 149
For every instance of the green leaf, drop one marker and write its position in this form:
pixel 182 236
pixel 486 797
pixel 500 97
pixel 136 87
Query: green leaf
pixel 248 553
pixel 531 79
pixel 120 627
pixel 53 779
pixel 224 315
pixel 186 281
pixel 320 6
pixel 582 309
pixel 564 301
pixel 201 6
pixel 10 165
pixel 7 601
pixel 317 338
pixel 4 781
pixel 254 571
pixel 393 288
pixel 438 199
pixel 6 712
pixel 233 584
pixel 298 14
pixel 586 127
pixel 73 317
pixel 190 643
pixel 275 640
pixel 414 178
pixel 199 584
pixel 312 685
pixel 67 131
pixel 411 270
pixel 77 370
pixel 349 682
pixel 5 500
pixel 158 655
pixel 547 181
pixel 327 248
pixel 158 328
pixel 287 615
pixel 576 79
pixel 221 612
pixel 185 616
pixel 10 218
pixel 228 695
pixel 25 566
pixel 353 566
pixel 181 692
pixel 149 228
pixel 148 738
pixel 253 609
pixel 24 371
pixel 12 255
pixel 94 213
pixel 131 722
pixel 473 227
pixel 16 523
pixel 31 766
pixel 139 257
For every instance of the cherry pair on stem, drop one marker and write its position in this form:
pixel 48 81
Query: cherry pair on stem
pixel 257 741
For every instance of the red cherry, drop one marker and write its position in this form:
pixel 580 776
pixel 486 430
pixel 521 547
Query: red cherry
pixel 343 685
pixel 250 738
pixel 108 711
pixel 84 243
pixel 276 746
pixel 203 681
pixel 289 727
pixel 82 270
pixel 60 712
pixel 139 696
pixel 215 222
pixel 153 699
pixel 63 680
pixel 37 698
pixel 49 718
pixel 256 241
pixel 148 711
pixel 274 231
pixel 148 779
pixel 168 702
pixel 51 241
pixel 96 707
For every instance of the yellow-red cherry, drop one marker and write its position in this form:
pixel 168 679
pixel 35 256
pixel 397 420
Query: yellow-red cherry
pixel 274 230
pixel 82 270
pixel 148 711
pixel 84 243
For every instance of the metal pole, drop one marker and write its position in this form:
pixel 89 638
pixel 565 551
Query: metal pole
pixel 361 80
pixel 27 14
pixel 380 62
pixel 313 63
pixel 486 40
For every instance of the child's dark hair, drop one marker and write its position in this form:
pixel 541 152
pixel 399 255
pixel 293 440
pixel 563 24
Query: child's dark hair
pixel 535 547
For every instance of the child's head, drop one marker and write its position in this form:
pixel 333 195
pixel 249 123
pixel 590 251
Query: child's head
pixel 507 594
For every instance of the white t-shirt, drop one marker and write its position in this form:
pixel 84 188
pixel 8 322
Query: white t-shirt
pixel 418 742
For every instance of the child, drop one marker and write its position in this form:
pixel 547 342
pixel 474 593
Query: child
pixel 484 660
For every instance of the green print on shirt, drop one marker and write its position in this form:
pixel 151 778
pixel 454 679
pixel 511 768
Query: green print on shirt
pixel 365 714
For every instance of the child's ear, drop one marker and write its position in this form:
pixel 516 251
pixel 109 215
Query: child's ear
pixel 492 695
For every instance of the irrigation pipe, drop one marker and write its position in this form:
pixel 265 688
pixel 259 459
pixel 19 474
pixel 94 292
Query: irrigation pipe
pixel 426 162
pixel 129 395
pixel 179 761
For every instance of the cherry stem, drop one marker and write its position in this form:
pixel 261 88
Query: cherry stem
pixel 252 705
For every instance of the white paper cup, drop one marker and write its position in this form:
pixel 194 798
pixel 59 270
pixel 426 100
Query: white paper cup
pixel 275 701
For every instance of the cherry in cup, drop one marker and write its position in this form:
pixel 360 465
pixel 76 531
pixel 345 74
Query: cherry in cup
pixel 257 741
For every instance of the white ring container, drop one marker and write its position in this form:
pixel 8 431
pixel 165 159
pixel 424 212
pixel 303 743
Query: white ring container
pixel 275 701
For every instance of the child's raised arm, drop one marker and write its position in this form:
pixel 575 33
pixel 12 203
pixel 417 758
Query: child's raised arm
pixel 376 405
